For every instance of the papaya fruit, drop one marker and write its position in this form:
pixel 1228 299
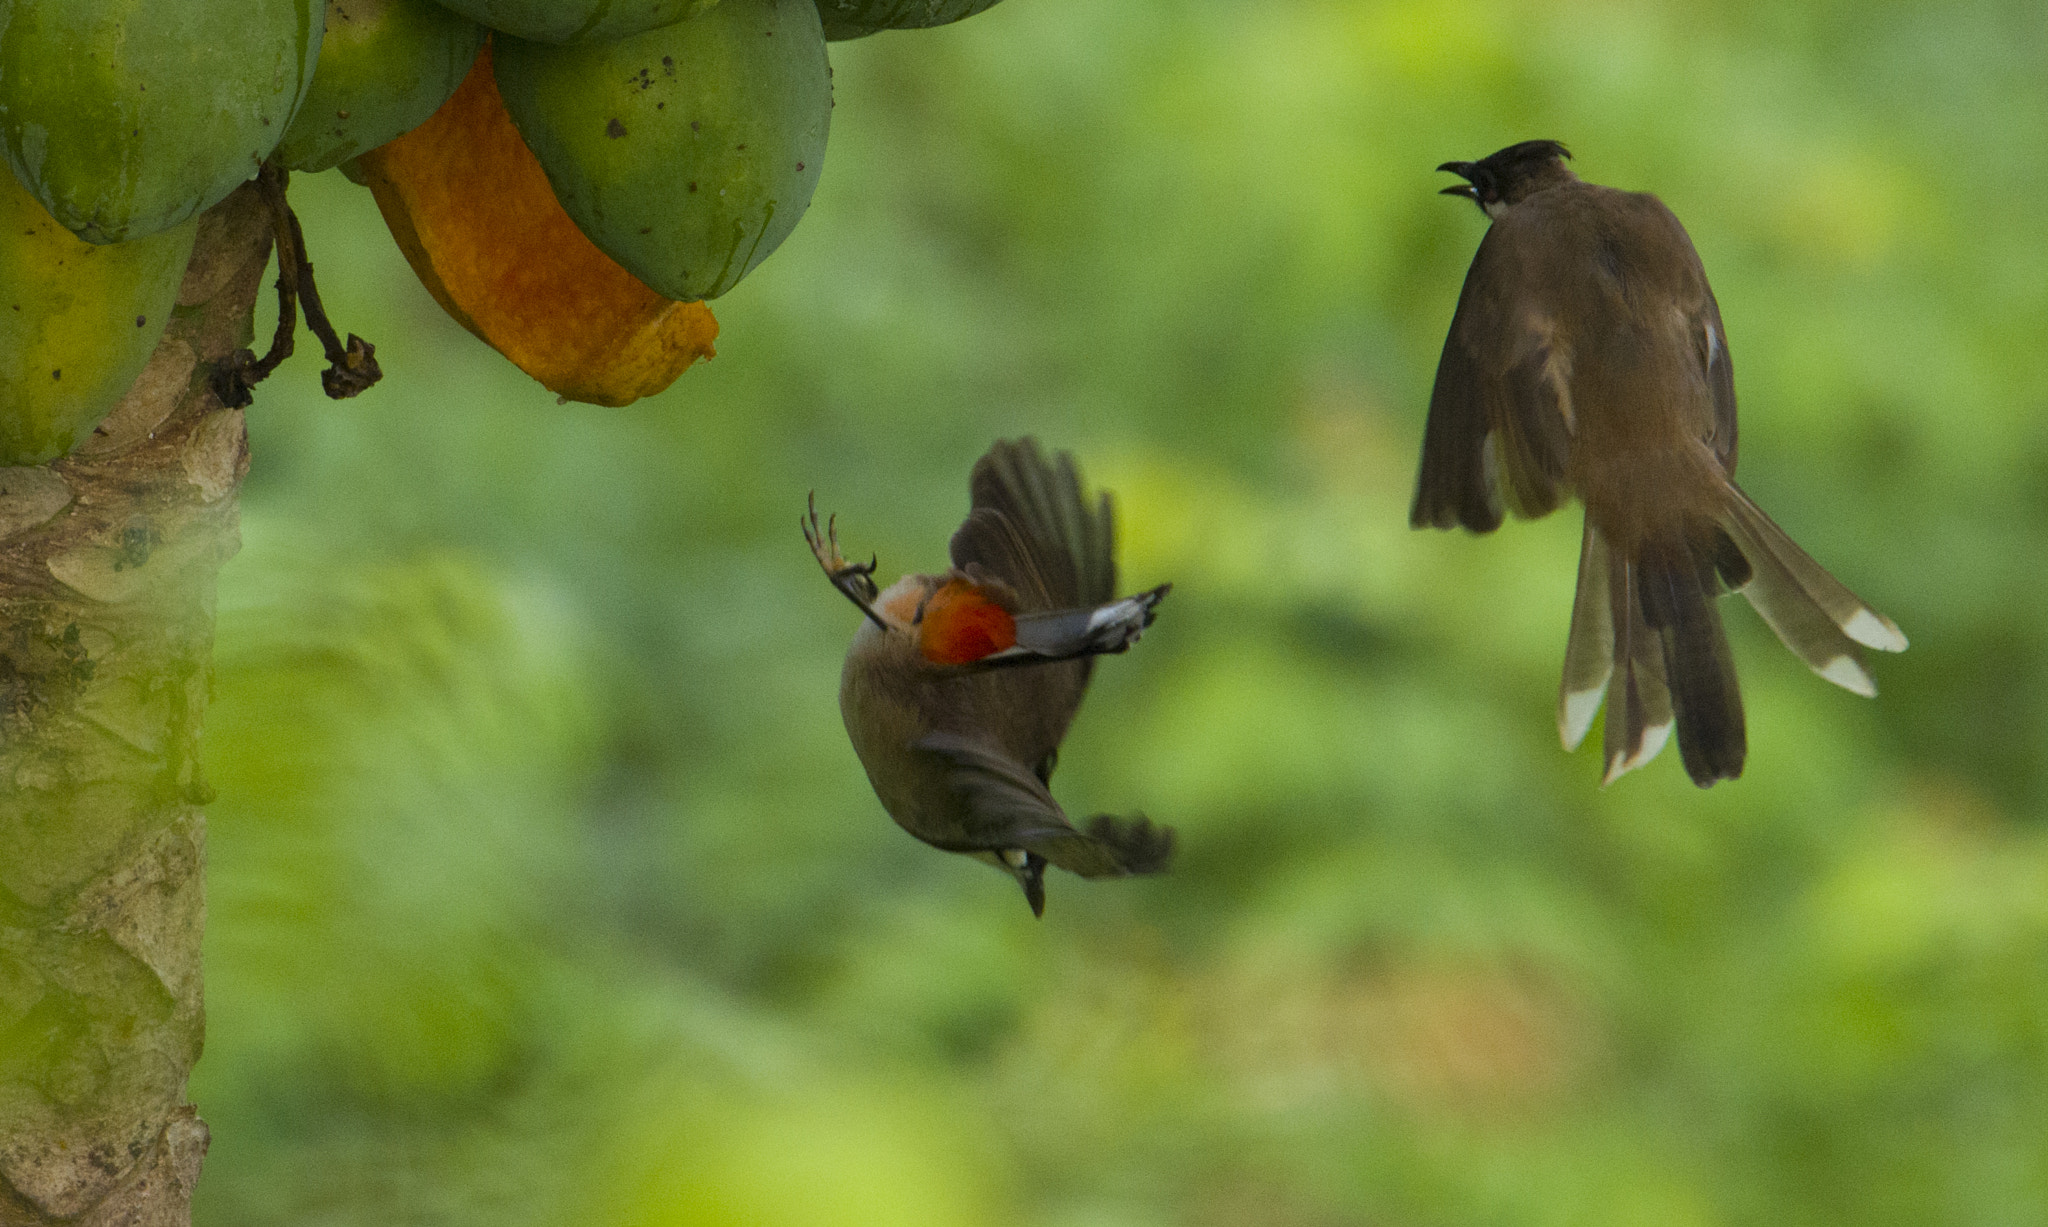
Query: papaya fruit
pixel 78 322
pixel 686 153
pixel 845 19
pixel 473 213
pixel 576 21
pixel 385 65
pixel 125 117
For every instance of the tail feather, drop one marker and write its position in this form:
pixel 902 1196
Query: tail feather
pixel 1639 699
pixel 1679 585
pixel 1589 654
pixel 1646 637
pixel 1813 613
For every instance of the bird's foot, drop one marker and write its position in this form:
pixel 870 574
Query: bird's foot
pixel 855 580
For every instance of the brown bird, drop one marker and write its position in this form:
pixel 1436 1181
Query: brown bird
pixel 1587 357
pixel 959 687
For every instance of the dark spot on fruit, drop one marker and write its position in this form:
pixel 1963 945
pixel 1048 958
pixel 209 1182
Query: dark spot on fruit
pixel 668 65
pixel 265 119
pixel 341 114
pixel 741 145
pixel 140 320
pixel 693 187
pixel 615 129
pixel 661 106
pixel 646 229
pixel 56 374
pixel 799 165
pixel 693 125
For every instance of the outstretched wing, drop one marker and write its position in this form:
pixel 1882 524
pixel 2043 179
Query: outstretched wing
pixel 1010 807
pixel 1032 527
pixel 1499 427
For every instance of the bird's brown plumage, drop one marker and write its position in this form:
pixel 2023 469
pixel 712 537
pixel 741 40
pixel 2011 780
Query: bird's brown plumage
pixel 961 753
pixel 1587 357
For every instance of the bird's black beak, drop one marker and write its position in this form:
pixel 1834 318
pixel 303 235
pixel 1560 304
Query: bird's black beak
pixel 1464 170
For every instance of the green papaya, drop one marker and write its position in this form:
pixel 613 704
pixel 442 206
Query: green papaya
pixel 125 117
pixel 385 66
pixel 78 322
pixel 688 153
pixel 845 19
pixel 576 21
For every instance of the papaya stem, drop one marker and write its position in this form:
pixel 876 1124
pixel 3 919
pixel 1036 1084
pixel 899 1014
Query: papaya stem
pixel 235 377
pixel 351 368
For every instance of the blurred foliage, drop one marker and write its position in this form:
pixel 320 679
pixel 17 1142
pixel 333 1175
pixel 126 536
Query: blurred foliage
pixel 546 888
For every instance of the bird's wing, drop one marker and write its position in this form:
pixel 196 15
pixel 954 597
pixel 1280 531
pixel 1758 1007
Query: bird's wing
pixel 1009 807
pixel 1500 415
pixel 1032 527
pixel 1704 348
pixel 1720 371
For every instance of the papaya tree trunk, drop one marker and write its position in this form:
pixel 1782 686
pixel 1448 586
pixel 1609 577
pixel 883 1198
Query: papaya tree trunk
pixel 108 563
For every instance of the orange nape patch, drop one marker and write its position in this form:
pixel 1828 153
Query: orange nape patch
pixel 961 624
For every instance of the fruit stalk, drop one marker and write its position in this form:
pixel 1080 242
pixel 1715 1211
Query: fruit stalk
pixel 108 564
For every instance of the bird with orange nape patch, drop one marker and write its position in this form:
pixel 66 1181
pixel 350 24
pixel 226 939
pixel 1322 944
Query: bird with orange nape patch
pixel 959 687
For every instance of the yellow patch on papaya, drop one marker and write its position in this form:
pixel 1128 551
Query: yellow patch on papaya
pixel 78 322
pixel 472 210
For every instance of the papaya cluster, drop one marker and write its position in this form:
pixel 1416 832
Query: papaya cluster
pixel 571 179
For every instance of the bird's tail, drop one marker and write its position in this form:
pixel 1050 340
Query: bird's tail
pixel 1814 614
pixel 1647 637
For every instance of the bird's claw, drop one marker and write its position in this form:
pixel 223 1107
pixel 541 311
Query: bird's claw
pixel 855 580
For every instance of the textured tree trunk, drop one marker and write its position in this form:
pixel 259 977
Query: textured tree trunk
pixel 108 562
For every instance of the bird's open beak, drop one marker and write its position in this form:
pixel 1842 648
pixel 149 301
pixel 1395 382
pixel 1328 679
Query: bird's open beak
pixel 1463 169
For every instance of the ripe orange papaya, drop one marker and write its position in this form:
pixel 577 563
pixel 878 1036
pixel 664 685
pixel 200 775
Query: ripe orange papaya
pixel 473 213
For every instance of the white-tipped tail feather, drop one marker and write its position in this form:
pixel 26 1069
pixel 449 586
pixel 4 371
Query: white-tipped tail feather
pixel 1621 762
pixel 1575 712
pixel 1850 675
pixel 1814 614
pixel 1646 642
pixel 1639 712
pixel 1589 653
pixel 1873 630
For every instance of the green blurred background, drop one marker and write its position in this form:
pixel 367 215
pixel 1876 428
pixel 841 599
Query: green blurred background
pixel 545 888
